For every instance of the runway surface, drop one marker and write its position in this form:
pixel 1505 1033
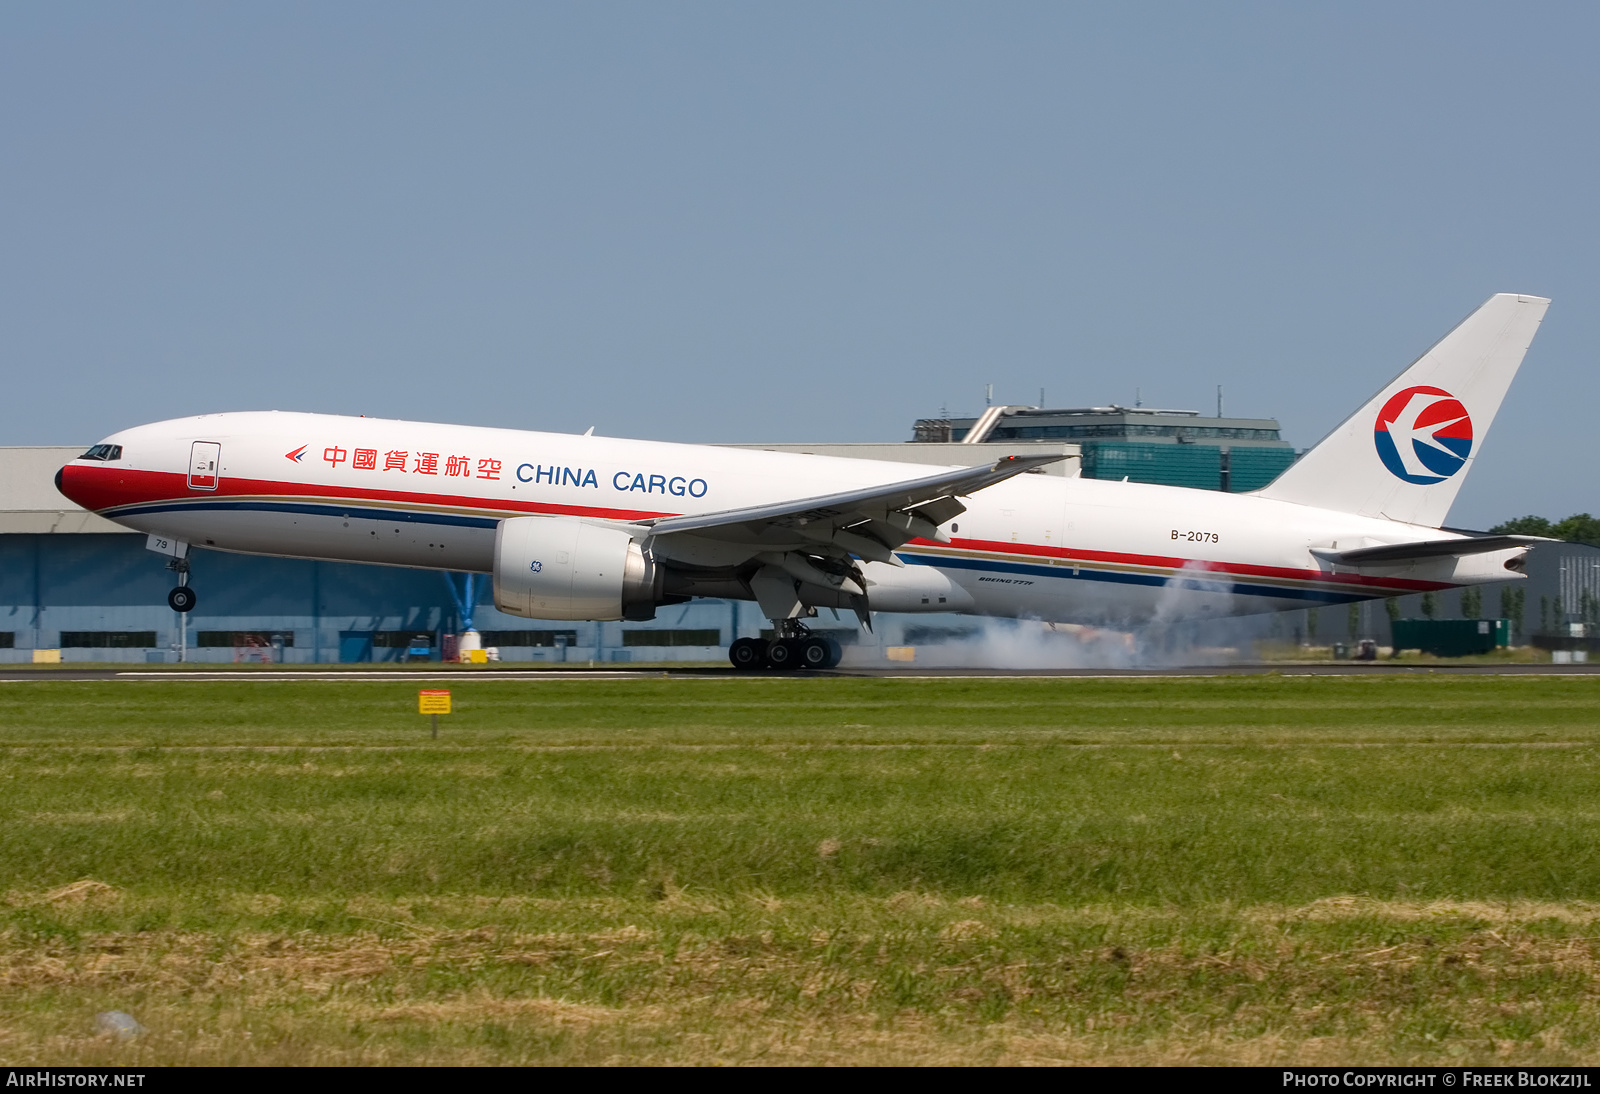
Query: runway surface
pixel 533 675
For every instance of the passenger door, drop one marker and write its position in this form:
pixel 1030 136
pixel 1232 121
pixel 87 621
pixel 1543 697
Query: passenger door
pixel 205 465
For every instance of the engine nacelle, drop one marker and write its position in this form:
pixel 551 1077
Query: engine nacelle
pixel 567 568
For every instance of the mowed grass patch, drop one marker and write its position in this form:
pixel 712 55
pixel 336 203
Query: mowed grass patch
pixel 719 709
pixel 1245 869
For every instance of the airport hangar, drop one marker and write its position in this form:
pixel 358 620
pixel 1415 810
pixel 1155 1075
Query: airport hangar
pixel 75 582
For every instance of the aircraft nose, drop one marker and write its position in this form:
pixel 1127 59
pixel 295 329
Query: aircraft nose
pixel 92 486
pixel 70 486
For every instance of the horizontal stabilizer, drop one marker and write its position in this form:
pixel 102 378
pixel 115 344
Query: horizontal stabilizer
pixel 1427 548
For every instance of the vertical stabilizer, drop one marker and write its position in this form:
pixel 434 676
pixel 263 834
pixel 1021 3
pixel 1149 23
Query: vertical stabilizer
pixel 1406 452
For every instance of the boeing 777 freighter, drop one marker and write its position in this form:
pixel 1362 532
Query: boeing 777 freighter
pixel 596 528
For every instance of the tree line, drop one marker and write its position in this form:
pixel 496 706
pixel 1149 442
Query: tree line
pixel 1578 528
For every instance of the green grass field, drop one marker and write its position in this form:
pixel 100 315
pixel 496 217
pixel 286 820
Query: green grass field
pixel 707 870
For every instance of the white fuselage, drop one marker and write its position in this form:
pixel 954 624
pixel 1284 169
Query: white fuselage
pixel 427 495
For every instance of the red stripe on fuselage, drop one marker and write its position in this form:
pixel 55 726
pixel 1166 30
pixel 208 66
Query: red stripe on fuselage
pixel 1173 562
pixel 102 488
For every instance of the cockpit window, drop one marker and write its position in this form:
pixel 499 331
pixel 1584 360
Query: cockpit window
pixel 103 452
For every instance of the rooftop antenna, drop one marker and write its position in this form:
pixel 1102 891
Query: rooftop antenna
pixel 1041 398
pixel 1219 400
pixel 988 395
pixel 1138 398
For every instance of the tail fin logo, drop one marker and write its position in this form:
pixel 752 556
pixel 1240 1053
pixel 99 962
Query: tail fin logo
pixel 1423 435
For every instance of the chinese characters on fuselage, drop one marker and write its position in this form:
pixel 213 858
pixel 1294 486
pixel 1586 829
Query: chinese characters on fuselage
pixel 421 463
pixel 451 465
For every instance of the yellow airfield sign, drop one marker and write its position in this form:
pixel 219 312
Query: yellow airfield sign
pixel 433 702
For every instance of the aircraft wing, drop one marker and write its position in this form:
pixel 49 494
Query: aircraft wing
pixel 1427 548
pixel 863 503
pixel 869 522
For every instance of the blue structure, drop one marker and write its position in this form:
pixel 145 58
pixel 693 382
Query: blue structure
pixel 102 597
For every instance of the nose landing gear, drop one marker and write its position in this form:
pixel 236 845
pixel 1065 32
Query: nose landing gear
pixel 181 599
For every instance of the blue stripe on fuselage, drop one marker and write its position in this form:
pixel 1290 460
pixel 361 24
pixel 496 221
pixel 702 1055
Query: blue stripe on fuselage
pixel 398 516
pixel 1222 584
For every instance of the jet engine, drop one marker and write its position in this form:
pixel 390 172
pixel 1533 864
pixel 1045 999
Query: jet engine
pixel 567 568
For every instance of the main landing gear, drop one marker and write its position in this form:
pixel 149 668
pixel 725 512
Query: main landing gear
pixel 181 599
pixel 794 647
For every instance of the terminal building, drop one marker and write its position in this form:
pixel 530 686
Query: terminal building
pixel 1139 444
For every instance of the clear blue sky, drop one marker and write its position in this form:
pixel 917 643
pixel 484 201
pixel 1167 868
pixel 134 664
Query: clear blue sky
pixel 813 221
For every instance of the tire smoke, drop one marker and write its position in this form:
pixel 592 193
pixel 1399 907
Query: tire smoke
pixel 1189 623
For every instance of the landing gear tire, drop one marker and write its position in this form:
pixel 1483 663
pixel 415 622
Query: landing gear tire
pixel 814 653
pixel 181 599
pixel 748 654
pixel 783 654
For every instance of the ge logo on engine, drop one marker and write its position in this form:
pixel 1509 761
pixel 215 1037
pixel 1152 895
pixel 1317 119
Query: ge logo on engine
pixel 536 566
